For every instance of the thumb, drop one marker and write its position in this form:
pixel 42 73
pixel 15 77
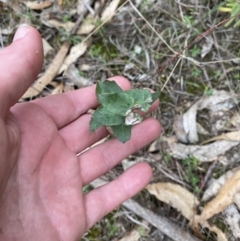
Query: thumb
pixel 20 64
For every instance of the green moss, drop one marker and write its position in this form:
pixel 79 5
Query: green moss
pixel 104 229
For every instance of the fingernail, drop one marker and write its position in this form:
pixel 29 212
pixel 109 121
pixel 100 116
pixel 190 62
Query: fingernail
pixel 21 32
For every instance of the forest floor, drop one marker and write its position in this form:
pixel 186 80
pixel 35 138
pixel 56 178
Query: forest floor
pixel 191 54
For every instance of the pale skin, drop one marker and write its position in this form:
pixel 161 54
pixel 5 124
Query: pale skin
pixel 41 177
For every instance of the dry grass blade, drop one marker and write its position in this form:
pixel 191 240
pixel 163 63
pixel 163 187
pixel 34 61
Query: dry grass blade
pixel 49 74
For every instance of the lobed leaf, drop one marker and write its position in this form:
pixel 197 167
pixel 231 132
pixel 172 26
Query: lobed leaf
pixel 117 109
pixel 107 87
pixel 122 132
pixel 102 117
pixel 116 103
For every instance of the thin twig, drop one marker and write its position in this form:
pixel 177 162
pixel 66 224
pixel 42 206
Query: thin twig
pixel 163 224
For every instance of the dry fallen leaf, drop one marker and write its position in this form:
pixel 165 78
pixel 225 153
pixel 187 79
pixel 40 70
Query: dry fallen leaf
pixel 236 200
pixel 49 74
pixel 46 47
pixel 176 196
pixel 155 146
pixel 132 236
pixel 219 100
pixel 223 199
pixel 220 235
pixel 233 220
pixel 215 185
pixel 88 25
pixel 68 26
pixel 37 5
pixel 75 52
pixel 207 46
pixel 137 232
pixel 235 120
pixel 58 89
pixel 179 130
pixel 109 11
pixel 72 73
pixel 230 136
pixel 206 153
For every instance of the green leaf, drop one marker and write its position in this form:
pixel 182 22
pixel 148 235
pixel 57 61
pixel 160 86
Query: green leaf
pixel 117 103
pixel 102 117
pixel 107 87
pixel 142 98
pixel 117 109
pixel 122 132
pixel 155 96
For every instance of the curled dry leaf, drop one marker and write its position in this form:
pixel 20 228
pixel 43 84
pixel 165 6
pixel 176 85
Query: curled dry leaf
pixel 72 73
pixel 46 47
pixel 224 198
pixel 155 146
pixel 220 235
pixel 219 100
pixel 207 46
pixel 68 26
pixel 38 5
pixel 109 11
pixel 206 153
pixel 215 185
pixel 179 130
pixel 88 25
pixel 49 74
pixel 176 196
pixel 137 232
pixel 75 52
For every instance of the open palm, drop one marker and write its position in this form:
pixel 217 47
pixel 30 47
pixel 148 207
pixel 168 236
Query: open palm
pixel 41 176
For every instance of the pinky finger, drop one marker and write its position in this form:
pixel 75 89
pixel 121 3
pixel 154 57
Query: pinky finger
pixel 104 199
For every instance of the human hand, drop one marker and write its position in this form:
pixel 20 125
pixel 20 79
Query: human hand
pixel 41 177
